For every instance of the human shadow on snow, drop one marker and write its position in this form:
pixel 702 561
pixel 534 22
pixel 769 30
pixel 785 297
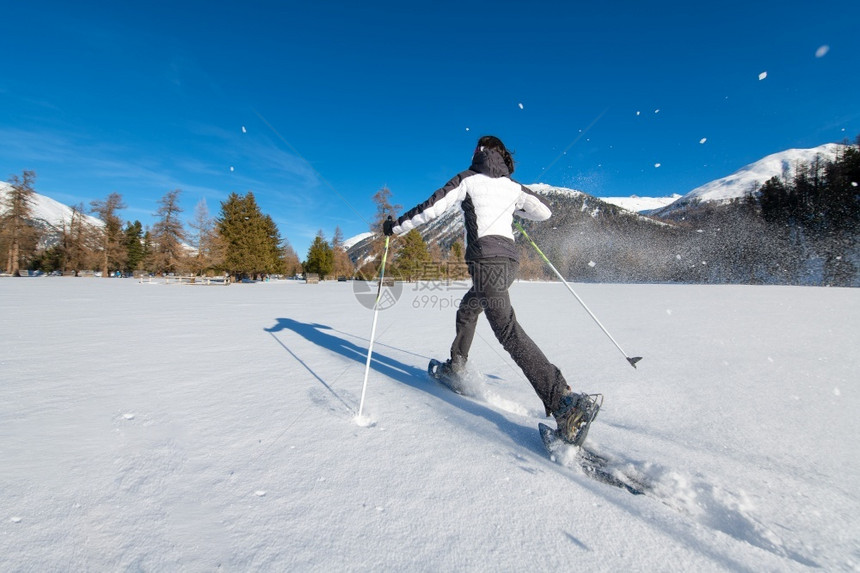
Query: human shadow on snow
pixel 417 378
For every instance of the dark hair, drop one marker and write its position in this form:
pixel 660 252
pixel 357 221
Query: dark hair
pixel 493 142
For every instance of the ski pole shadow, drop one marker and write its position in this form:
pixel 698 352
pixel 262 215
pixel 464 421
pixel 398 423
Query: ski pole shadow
pixel 320 334
pixel 417 378
pixel 314 374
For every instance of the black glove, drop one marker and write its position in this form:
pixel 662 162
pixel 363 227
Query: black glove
pixel 388 227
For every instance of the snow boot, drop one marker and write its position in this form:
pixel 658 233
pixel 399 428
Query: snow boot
pixel 574 416
pixel 450 373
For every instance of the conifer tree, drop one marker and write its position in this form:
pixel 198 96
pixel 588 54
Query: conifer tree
pixel 250 240
pixel 147 250
pixel 412 260
pixel 274 262
pixel 773 199
pixel 320 257
pixel 134 247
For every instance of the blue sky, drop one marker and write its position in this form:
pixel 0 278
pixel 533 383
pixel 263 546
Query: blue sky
pixel 314 106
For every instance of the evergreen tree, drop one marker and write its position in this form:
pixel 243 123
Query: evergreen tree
pixel 148 248
pixel 274 262
pixel 773 200
pixel 134 247
pixel 49 260
pixel 412 260
pixel 250 240
pixel 320 257
pixel 16 227
pixel 112 245
pixel 843 183
pixel 816 213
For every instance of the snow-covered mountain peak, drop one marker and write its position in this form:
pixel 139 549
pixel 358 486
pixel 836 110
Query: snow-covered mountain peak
pixel 349 243
pixel 545 189
pixel 51 212
pixel 741 181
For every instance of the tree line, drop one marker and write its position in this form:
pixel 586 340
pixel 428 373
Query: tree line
pixel 241 241
pixel 816 209
pixel 778 233
pixel 822 196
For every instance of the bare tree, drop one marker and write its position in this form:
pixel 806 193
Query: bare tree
pixel 16 226
pixel 168 254
pixel 292 263
pixel 111 236
pixel 384 208
pixel 78 239
pixel 343 267
pixel 205 239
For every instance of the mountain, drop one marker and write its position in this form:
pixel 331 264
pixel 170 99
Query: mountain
pixel 588 237
pixel 49 216
pixel 705 236
pixel 748 178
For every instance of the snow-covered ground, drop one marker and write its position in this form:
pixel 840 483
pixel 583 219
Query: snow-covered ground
pixel 159 427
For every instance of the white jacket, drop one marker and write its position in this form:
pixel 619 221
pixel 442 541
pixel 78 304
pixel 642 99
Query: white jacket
pixel 489 199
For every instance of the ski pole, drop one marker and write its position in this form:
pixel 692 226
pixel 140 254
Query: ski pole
pixel 632 360
pixel 373 328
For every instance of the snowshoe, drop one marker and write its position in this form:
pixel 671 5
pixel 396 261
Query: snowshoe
pixel 447 375
pixel 575 415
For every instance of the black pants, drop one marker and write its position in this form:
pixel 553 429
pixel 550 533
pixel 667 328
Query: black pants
pixel 491 279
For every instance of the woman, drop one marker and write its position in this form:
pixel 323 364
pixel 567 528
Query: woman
pixel 489 199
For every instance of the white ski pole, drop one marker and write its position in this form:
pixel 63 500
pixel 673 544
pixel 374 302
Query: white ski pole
pixel 373 328
pixel 631 360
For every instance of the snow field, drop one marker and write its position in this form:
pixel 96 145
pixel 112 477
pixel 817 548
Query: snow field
pixel 155 427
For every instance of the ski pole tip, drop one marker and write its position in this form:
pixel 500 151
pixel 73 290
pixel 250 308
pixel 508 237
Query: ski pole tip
pixel 634 360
